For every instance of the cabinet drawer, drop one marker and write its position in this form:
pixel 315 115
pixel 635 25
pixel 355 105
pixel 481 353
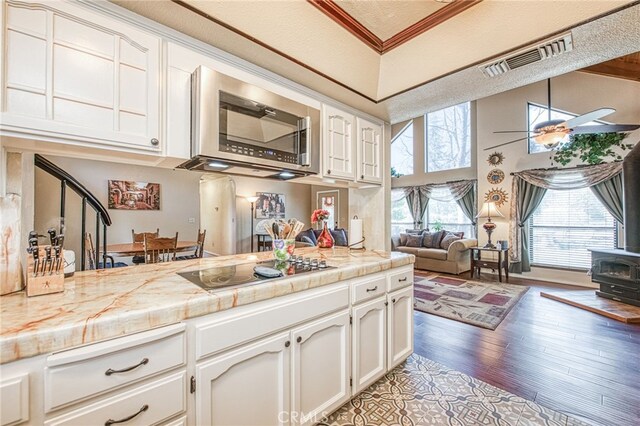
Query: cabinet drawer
pixel 144 405
pixel 618 290
pixel 237 326
pixel 14 399
pixel 368 289
pixel 401 278
pixel 76 374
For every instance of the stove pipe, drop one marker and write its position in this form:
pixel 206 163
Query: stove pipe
pixel 631 179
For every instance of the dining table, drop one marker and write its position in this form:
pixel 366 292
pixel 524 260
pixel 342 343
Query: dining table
pixel 137 249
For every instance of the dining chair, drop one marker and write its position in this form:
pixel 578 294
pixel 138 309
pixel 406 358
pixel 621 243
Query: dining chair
pixel 199 252
pixel 160 249
pixel 90 254
pixel 138 237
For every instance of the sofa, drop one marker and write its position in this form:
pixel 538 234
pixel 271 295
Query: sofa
pixel 454 259
pixel 309 237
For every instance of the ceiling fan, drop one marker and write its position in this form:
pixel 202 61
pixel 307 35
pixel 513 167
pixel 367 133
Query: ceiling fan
pixel 551 132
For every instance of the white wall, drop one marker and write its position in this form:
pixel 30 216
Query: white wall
pixel 179 201
pixel 297 205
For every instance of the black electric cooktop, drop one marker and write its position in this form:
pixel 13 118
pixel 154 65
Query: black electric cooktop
pixel 243 274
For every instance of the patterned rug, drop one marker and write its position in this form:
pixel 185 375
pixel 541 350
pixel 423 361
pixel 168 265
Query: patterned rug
pixel 471 302
pixel 423 392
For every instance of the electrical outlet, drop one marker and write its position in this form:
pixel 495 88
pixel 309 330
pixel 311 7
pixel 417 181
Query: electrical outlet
pixel 192 220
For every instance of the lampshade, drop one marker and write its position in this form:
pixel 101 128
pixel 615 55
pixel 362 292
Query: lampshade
pixel 551 138
pixel 251 199
pixel 489 210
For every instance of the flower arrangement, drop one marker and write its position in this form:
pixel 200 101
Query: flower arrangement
pixel 319 215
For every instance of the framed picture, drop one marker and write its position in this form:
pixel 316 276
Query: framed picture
pixel 130 195
pixel 270 205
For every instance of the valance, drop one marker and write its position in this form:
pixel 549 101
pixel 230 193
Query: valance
pixel 574 178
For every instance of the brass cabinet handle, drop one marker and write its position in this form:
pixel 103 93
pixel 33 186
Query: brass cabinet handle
pixel 372 289
pixel 299 339
pixel 110 422
pixel 124 370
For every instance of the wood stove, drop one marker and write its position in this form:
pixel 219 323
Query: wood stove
pixel 618 271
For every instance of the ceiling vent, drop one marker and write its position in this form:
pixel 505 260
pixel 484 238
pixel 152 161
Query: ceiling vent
pixel 548 49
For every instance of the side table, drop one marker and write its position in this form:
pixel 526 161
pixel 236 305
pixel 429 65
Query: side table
pixel 502 264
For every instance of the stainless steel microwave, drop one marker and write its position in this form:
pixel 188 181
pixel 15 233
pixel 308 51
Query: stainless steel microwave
pixel 236 124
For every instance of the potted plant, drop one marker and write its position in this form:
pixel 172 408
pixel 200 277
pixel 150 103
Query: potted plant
pixel 591 148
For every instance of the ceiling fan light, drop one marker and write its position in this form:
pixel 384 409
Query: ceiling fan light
pixel 550 139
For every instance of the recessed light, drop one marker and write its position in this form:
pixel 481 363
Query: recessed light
pixel 286 174
pixel 217 165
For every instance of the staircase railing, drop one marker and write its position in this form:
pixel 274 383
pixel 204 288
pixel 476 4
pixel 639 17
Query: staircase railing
pixel 102 217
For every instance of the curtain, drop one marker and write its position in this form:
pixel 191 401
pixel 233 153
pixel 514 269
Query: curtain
pixel 526 202
pixel 529 187
pixel 417 201
pixel 468 204
pixel 451 191
pixel 609 192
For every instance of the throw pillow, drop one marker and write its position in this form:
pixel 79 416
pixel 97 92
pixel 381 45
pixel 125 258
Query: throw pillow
pixel 427 239
pixel 437 238
pixel 448 240
pixel 414 231
pixel 310 236
pixel 403 239
pixel 414 240
pixel 458 233
pixel 305 239
pixel 339 237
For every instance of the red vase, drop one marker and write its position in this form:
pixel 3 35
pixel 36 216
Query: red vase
pixel 325 240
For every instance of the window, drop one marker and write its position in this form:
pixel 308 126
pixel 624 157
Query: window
pixel 400 216
pixel 538 114
pixel 448 138
pixel 450 216
pixel 566 225
pixel 402 151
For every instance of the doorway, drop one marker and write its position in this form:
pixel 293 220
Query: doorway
pixel 330 201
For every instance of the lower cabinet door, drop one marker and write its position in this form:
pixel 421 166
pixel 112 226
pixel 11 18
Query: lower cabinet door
pixel 247 386
pixel 369 343
pixel 400 326
pixel 320 368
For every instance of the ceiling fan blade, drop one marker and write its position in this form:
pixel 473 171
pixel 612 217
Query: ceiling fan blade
pixel 585 118
pixel 515 131
pixel 605 128
pixel 506 143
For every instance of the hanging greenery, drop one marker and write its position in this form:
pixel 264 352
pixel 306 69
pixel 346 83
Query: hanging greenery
pixel 395 173
pixel 591 148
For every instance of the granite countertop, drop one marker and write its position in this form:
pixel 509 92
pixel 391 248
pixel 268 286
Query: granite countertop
pixel 98 305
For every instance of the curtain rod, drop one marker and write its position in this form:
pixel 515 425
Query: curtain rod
pixel 443 183
pixel 580 166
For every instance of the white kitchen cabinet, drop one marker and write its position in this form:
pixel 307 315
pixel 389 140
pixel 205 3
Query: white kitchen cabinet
pixel 369 343
pixel 320 368
pixel 338 144
pixel 77 76
pixel 247 386
pixel 369 143
pixel 399 326
pixel 14 399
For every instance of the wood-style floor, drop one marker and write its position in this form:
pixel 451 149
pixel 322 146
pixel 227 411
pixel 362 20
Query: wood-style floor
pixel 557 355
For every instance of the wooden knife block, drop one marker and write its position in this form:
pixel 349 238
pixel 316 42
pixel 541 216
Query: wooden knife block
pixel 44 283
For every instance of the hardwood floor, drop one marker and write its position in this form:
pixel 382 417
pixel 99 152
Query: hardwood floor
pixel 557 355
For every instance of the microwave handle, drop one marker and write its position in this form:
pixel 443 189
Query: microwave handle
pixel 305 124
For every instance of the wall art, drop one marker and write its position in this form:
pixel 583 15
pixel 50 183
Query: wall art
pixel 495 159
pixel 495 176
pixel 130 195
pixel 270 205
pixel 496 196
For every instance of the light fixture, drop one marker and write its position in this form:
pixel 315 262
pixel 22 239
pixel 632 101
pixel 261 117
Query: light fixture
pixel 488 211
pixel 286 174
pixel 550 139
pixel 217 165
pixel 252 200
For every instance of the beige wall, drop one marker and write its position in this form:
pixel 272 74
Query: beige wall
pixel 574 92
pixel 179 201
pixel 297 205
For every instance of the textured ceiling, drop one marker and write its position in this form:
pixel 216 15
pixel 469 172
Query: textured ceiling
pixel 387 18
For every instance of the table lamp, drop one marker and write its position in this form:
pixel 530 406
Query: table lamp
pixel 252 200
pixel 488 211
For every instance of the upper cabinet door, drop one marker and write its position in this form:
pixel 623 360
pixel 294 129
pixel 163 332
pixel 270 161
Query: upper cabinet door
pixel 338 143
pixel 74 74
pixel 369 151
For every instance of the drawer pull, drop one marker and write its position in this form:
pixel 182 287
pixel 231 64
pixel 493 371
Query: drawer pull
pixel 299 339
pixel 124 370
pixel 372 289
pixel 110 422
pixel 401 280
pixel 393 300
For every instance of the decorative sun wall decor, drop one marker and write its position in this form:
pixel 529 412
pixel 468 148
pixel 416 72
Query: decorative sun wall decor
pixel 495 176
pixel 495 159
pixel 497 196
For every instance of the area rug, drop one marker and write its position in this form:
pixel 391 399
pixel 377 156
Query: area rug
pixel 423 392
pixel 471 302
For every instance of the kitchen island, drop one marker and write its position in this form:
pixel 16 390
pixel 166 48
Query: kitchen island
pixel 149 334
